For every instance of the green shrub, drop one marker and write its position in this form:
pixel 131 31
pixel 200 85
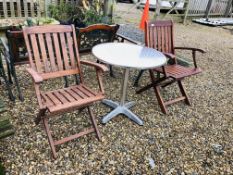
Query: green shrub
pixel 92 15
pixel 2 169
pixel 63 11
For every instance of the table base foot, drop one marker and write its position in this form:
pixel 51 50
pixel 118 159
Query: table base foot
pixel 118 109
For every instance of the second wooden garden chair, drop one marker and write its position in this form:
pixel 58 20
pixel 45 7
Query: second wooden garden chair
pixel 53 53
pixel 159 35
pixel 95 34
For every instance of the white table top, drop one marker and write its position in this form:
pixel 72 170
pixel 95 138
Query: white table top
pixel 128 55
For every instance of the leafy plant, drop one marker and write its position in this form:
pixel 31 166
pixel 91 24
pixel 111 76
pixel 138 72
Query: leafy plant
pixel 90 17
pixel 2 169
pixel 63 11
pixel 91 13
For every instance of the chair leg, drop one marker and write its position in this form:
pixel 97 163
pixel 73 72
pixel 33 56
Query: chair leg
pixel 16 83
pixel 135 84
pixel 183 92
pixel 2 72
pixel 9 73
pixel 10 94
pixel 49 135
pixel 158 95
pixel 94 123
pixel 66 81
pixel 111 71
pixel 39 116
pixel 77 79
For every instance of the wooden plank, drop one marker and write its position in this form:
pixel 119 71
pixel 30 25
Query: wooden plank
pixel 174 101
pixel 80 93
pixel 38 8
pixel 26 39
pixel 36 53
pixel 186 12
pixel 19 12
pixel 53 97
pixel 159 38
pixel 43 53
pixel 46 100
pixel 85 92
pixel 12 9
pixel 72 137
pixel 67 95
pixel 208 8
pixel 4 8
pixel 59 74
pixel 25 8
pixel 32 8
pixel 89 90
pixel 166 38
pixel 162 39
pixel 51 52
pixel 57 51
pixel 71 50
pixel 60 96
pixel 74 94
pixel 228 8
pixel 80 103
pixel 64 51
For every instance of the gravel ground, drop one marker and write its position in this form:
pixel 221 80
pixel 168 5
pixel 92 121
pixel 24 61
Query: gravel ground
pixel 193 140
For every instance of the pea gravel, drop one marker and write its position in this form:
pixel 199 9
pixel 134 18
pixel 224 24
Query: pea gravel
pixel 190 140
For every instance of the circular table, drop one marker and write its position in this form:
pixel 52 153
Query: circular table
pixel 127 56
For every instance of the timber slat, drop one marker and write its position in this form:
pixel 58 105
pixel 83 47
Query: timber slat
pixel 71 51
pixel 43 53
pixel 50 51
pixel 35 51
pixel 57 51
pixel 68 95
pixel 64 51
pixel 74 94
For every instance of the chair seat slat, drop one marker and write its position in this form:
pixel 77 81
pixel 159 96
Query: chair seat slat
pixel 60 96
pixel 67 95
pixel 53 98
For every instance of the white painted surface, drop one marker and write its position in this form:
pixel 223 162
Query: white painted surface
pixel 128 55
pixel 162 3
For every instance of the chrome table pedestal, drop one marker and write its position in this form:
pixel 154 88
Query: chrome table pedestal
pixel 122 107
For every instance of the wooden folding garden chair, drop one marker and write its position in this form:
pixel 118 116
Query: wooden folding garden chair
pixel 53 53
pixel 159 35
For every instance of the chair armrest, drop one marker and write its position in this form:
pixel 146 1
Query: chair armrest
pixel 100 68
pixel 170 56
pixel 194 50
pixel 96 65
pixel 123 38
pixel 36 77
pixel 190 48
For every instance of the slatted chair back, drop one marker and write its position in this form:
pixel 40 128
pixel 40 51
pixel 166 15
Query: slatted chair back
pixel 53 54
pixel 159 35
pixel 92 35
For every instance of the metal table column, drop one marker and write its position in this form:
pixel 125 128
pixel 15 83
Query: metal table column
pixel 122 108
